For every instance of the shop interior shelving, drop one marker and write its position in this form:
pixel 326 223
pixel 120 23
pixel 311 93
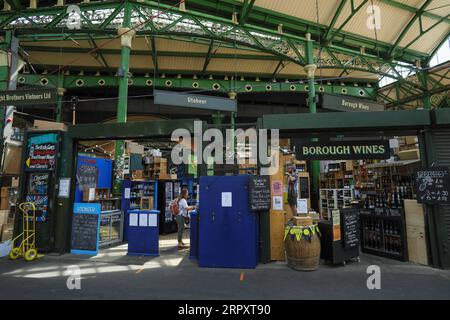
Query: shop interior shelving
pixel 383 233
pixel 331 199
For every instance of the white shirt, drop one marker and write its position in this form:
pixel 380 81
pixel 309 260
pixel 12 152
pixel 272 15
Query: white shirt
pixel 183 207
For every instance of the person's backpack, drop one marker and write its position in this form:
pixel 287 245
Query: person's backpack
pixel 174 207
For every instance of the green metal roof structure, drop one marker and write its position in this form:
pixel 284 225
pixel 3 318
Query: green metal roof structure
pixel 238 45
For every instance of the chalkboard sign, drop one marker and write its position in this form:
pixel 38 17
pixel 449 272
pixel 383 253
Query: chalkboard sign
pixel 350 227
pixel 304 187
pixel 85 231
pixel 85 228
pixel 42 157
pixel 87 176
pixel 38 183
pixel 259 191
pixel 432 185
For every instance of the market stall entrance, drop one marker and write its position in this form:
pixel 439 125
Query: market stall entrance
pixel 62 206
pixel 431 128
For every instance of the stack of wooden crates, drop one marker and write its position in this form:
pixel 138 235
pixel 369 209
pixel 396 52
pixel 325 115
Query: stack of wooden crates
pixel 155 168
pixel 415 232
pixel 6 221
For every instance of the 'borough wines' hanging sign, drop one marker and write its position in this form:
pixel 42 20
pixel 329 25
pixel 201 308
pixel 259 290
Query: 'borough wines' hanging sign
pixel 343 150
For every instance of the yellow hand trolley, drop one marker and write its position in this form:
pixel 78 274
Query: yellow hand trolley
pixel 27 247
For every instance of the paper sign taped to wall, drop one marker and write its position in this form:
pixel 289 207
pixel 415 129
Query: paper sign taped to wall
pixel 127 193
pixel 277 203
pixel 227 199
pixel 152 220
pixel 302 205
pixel 143 219
pixel 133 220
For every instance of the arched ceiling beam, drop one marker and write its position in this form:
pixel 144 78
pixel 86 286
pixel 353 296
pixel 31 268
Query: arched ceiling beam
pixel 411 22
pixel 335 18
pixel 101 19
pixel 247 7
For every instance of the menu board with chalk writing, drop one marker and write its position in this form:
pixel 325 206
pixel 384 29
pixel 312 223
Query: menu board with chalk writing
pixel 350 227
pixel 259 191
pixel 432 185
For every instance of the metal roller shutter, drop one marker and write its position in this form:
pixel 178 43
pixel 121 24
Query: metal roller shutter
pixel 441 144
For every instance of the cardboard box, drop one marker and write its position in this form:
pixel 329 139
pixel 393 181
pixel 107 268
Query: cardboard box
pixel 133 147
pixel 15 182
pixel 4 214
pixel 137 174
pixel 5 204
pixel 412 154
pixel 4 192
pixel 7 235
pixel 13 155
pixel 414 213
pixel 49 125
pixel 411 140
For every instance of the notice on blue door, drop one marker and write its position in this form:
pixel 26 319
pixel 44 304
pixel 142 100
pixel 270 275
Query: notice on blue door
pixel 227 199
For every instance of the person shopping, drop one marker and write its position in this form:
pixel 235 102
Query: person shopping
pixel 183 215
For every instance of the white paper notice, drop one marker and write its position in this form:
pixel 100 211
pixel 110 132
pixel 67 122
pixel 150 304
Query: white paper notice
pixel 302 205
pixel 227 199
pixel 277 202
pixel 133 219
pixel 152 220
pixel 143 219
pixel 91 194
pixel 64 188
pixel 336 217
pixel 127 194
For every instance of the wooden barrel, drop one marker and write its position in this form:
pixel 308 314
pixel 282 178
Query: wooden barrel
pixel 302 244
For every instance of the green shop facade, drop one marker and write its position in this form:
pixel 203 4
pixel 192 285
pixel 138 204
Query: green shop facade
pixel 431 127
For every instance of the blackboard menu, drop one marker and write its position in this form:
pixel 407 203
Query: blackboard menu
pixel 42 157
pixel 432 185
pixel 259 190
pixel 85 231
pixel 350 227
pixel 87 176
pixel 38 183
pixel 304 187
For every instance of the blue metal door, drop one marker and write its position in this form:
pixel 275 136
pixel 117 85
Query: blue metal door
pixel 228 231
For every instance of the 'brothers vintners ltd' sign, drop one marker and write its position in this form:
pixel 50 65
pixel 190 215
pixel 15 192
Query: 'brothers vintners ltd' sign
pixel 26 97
pixel 342 150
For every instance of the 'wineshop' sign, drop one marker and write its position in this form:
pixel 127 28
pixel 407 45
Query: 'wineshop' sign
pixel 342 150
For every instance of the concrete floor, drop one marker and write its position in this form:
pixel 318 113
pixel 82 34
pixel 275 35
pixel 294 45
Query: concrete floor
pixel 113 275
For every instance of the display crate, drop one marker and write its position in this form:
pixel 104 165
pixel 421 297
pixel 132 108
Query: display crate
pixel 383 233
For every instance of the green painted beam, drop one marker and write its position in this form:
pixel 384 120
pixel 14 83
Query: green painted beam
pixel 441 117
pixel 15 4
pixel 411 22
pixel 128 130
pixel 246 9
pixel 414 10
pixel 295 25
pixel 307 122
pixel 257 16
pixel 215 85
pixel 335 18
pixel 354 12
pixel 208 57
pixel 423 32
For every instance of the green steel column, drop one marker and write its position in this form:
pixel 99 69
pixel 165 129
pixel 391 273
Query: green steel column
pixel 126 36
pixel 310 70
pixel 423 77
pixel 4 81
pixel 217 118
pixel 59 99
